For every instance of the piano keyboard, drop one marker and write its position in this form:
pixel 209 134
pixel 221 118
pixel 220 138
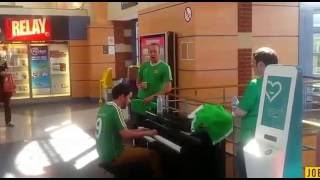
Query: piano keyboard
pixel 168 143
pixel 164 141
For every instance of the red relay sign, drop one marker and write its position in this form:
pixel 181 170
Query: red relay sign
pixel 27 29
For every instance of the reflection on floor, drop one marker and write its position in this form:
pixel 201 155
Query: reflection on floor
pixel 50 140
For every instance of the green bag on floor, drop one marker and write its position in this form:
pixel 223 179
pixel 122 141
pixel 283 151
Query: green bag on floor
pixel 214 120
pixel 138 106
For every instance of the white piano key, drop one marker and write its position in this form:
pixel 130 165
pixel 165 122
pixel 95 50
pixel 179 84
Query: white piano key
pixel 186 133
pixel 168 143
pixel 149 139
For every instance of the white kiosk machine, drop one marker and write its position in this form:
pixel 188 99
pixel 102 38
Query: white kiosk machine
pixel 276 150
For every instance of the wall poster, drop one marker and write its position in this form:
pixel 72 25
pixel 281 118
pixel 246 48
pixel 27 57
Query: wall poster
pixel 145 41
pixel 40 70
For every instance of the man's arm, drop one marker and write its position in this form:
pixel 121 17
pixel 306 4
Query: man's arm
pixel 139 84
pixel 137 133
pixel 247 102
pixel 166 89
pixel 5 72
pixel 238 112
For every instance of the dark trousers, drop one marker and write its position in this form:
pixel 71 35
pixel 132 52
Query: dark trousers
pixel 7 108
pixel 5 97
pixel 240 162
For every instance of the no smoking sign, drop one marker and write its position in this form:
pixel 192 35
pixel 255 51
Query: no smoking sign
pixel 187 14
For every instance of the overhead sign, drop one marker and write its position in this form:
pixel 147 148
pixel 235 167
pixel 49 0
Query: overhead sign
pixel 27 29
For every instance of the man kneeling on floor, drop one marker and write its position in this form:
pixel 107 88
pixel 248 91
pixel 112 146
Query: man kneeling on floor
pixel 112 131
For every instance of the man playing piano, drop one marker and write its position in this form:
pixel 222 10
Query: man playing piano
pixel 111 130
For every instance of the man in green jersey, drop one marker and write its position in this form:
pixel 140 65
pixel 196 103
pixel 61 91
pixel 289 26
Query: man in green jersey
pixel 154 76
pixel 154 79
pixel 248 108
pixel 111 130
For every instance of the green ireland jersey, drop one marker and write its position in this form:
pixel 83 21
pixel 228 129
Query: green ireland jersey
pixel 155 75
pixel 110 121
pixel 250 103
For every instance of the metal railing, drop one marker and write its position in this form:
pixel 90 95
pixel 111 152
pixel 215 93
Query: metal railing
pixel 312 93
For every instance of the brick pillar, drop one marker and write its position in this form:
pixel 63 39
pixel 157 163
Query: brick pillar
pixel 123 37
pixel 244 17
pixel 244 68
pixel 244 53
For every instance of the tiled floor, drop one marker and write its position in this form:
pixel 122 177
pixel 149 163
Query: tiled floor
pixel 53 140
pixel 50 140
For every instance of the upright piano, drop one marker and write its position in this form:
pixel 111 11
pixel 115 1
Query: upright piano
pixel 183 153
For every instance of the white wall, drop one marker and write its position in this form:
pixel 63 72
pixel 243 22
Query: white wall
pixel 116 13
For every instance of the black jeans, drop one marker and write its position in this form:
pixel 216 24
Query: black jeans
pixel 240 162
pixel 5 97
pixel 7 109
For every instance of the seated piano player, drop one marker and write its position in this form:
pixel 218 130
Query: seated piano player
pixel 111 130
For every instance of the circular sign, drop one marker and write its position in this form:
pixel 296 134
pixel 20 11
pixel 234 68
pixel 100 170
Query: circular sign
pixel 187 14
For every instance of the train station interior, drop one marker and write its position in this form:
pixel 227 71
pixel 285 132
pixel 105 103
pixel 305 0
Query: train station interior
pixel 159 89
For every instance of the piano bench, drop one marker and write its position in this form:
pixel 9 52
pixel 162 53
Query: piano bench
pixel 127 170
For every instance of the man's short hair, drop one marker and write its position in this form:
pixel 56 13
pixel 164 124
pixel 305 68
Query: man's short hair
pixel 266 55
pixel 155 44
pixel 120 89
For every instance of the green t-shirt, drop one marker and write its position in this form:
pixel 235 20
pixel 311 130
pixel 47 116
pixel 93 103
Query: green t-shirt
pixel 156 76
pixel 110 121
pixel 214 120
pixel 250 103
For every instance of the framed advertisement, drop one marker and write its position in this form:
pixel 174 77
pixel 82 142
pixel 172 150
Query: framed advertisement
pixel 40 70
pixel 145 41
pixel 60 76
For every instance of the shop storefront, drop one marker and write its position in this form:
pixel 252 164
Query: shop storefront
pixel 37 54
